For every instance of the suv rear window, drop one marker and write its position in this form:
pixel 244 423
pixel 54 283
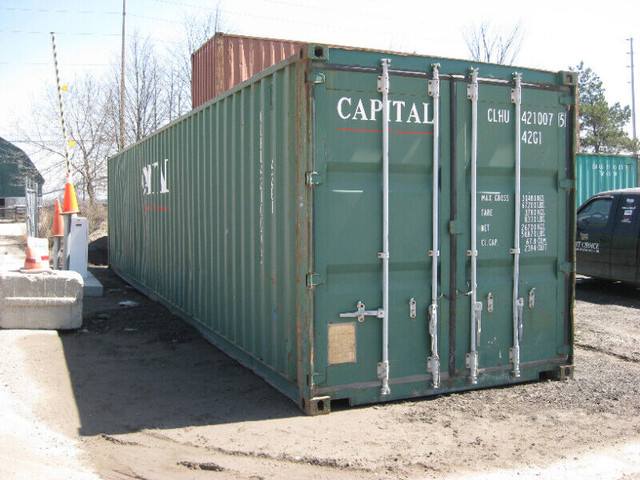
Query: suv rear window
pixel 596 213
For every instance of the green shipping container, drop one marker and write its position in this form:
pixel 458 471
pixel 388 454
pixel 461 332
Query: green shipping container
pixel 600 173
pixel 363 225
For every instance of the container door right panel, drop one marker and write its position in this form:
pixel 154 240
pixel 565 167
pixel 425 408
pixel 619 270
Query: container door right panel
pixel 539 298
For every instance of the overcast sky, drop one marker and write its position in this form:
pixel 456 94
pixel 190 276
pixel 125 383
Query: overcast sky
pixel 556 34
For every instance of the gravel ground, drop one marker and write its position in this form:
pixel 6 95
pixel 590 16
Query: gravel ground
pixel 138 394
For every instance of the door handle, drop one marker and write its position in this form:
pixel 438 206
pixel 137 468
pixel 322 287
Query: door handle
pixel 361 313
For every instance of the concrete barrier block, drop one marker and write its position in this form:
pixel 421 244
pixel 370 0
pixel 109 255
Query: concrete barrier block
pixel 49 300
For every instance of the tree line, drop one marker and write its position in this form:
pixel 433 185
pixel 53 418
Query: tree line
pixel 158 91
pixel 601 125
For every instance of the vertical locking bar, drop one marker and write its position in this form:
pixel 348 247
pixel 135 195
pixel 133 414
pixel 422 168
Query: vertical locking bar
pixel 516 98
pixel 433 362
pixel 514 352
pixel 520 318
pixel 383 87
pixel 472 94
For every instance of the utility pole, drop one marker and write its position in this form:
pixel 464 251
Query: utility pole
pixel 633 91
pixel 122 84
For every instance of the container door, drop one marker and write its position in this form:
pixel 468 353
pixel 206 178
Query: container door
pixel 500 260
pixel 593 239
pixel 349 217
pixel 512 267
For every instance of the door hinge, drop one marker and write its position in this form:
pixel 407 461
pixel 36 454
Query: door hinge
pixel 317 77
pixel 313 178
pixel 566 184
pixel 314 279
pixel 565 267
pixel 314 379
pixel 567 100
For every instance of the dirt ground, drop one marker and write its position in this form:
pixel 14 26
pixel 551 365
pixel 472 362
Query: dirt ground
pixel 138 394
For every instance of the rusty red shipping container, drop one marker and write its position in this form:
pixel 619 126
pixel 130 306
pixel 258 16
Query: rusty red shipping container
pixel 225 61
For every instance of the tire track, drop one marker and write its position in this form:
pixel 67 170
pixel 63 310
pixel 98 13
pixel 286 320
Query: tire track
pixel 619 356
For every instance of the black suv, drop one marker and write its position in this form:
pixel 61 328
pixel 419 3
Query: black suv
pixel 607 236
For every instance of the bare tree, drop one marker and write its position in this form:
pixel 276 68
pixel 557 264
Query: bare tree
pixel 487 43
pixel 158 84
pixel 90 144
pixel 145 109
pixel 197 30
pixel 88 129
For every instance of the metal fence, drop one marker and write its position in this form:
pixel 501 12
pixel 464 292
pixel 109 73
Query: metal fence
pixel 13 214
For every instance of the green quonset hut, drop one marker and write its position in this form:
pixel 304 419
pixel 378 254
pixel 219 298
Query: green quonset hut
pixel 15 167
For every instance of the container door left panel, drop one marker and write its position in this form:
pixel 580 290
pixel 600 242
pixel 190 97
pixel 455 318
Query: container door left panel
pixel 348 233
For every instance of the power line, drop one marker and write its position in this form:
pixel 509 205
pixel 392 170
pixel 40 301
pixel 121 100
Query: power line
pixel 26 140
pixel 155 19
pixel 183 4
pixel 49 63
pixel 123 87
pixel 303 6
pixel 53 191
pixel 324 25
pixel 40 141
pixel 44 10
pixel 223 11
pixel 35 32
pixel 95 12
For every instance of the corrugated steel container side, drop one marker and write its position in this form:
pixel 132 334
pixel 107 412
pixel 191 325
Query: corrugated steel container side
pixel 599 173
pixel 260 218
pixel 228 60
pixel 207 215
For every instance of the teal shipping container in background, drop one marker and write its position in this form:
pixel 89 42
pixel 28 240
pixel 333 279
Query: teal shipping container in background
pixel 599 173
pixel 364 226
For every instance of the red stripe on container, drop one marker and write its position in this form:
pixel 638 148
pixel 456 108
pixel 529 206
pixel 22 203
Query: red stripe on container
pixel 414 133
pixel 380 131
pixel 358 130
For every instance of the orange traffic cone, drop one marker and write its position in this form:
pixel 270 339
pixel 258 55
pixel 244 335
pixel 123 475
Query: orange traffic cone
pixel 69 203
pixel 37 260
pixel 58 224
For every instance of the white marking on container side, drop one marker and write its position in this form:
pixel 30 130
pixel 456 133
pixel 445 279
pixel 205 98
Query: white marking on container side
pixel 261 163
